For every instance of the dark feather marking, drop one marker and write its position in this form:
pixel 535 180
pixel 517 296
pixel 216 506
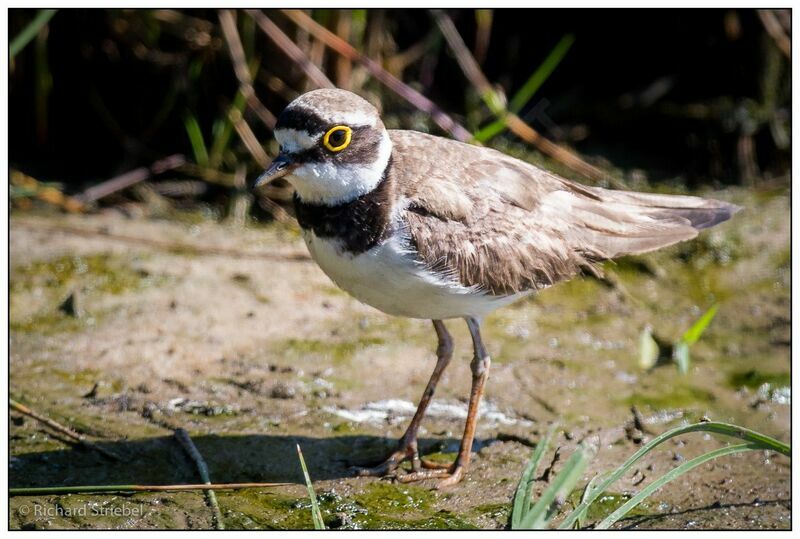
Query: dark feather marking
pixel 363 149
pixel 301 119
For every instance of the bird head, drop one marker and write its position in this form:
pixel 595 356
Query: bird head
pixel 334 147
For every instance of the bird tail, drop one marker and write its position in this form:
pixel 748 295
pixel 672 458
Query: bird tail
pixel 616 223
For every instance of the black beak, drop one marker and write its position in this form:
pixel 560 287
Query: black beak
pixel 280 167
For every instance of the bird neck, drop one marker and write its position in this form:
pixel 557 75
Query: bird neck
pixel 359 224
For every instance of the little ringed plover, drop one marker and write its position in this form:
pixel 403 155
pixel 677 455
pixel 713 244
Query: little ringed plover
pixel 426 227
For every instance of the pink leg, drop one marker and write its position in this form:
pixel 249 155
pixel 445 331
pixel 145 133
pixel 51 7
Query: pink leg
pixel 480 373
pixel 407 446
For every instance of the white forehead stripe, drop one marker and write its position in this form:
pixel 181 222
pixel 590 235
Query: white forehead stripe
pixel 294 140
pixel 355 118
pixel 350 118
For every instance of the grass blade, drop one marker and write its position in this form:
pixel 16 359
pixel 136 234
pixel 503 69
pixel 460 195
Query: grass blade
pixel 562 485
pixel 680 355
pixel 30 31
pixel 698 328
pixel 531 86
pixel 316 514
pixel 223 134
pixel 196 139
pixel 765 442
pixel 669 476
pixel 588 490
pixel 542 73
pixel 522 497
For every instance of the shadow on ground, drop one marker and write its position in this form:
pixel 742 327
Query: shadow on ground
pixel 230 459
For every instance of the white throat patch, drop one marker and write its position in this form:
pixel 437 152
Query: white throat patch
pixel 332 183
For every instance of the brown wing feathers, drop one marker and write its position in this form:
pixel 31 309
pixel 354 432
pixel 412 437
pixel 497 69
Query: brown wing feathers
pixel 505 226
pixel 618 223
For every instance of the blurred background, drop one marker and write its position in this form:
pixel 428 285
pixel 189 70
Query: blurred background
pixel 612 97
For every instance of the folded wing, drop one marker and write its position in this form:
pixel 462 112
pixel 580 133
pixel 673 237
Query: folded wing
pixel 505 226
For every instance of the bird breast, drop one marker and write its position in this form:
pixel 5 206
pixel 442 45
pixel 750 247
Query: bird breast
pixel 390 278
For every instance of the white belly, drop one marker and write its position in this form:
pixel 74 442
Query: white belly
pixel 389 278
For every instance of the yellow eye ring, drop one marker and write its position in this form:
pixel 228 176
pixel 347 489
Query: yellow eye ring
pixel 348 136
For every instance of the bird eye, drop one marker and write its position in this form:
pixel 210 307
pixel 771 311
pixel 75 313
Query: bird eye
pixel 337 138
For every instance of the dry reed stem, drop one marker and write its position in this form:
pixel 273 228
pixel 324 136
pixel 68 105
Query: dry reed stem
pixel 35 491
pixel 291 50
pixel 248 138
pixel 123 181
pixel 344 67
pixel 776 30
pixel 58 427
pixel 228 24
pixel 397 86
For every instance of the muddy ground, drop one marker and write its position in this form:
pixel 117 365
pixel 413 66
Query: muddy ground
pixel 236 336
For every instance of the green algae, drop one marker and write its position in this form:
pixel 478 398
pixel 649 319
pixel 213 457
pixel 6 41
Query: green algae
pixel 345 427
pixel 706 287
pixel 135 511
pixel 33 442
pixel 257 509
pixel 495 511
pixel 712 248
pixel 49 323
pixel 782 258
pixel 379 506
pixel 87 378
pixel 754 379
pixel 103 273
pixel 246 284
pixel 89 276
pixel 392 498
pixel 441 457
pixel 610 502
pixel 338 351
pixel 773 386
pixel 671 397
pixel 398 506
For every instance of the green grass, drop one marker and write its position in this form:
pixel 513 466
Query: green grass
pixel 653 351
pixel 19 42
pixel 196 139
pixel 531 86
pixel 540 515
pixel 522 497
pixel 316 514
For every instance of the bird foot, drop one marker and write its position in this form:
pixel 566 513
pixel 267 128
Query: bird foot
pixel 449 475
pixel 421 469
pixel 405 451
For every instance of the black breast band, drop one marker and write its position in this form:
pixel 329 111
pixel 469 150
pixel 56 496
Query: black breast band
pixel 360 224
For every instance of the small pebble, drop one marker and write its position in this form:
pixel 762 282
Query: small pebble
pixel 282 390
